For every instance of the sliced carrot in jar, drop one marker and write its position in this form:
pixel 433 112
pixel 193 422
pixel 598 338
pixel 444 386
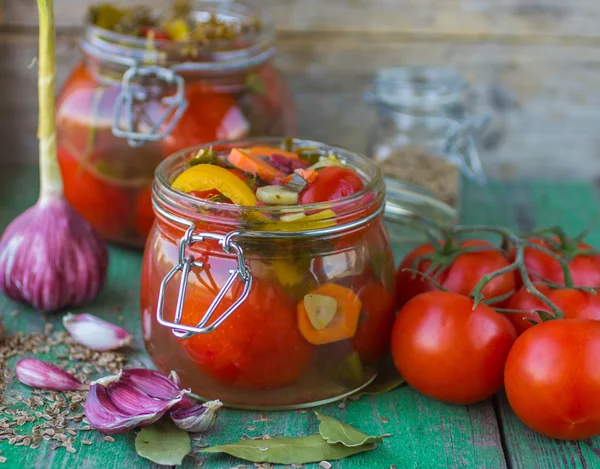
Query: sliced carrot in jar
pixel 267 151
pixel 328 314
pixel 253 164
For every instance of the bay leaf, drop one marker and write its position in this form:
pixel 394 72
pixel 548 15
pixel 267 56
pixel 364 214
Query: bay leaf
pixel 289 450
pixel 334 431
pixel 163 443
pixel 387 380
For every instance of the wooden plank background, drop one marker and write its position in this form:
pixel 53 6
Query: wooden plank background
pixel 534 64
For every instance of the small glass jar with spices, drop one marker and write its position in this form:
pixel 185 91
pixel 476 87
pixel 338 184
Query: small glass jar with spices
pixel 152 83
pixel 424 135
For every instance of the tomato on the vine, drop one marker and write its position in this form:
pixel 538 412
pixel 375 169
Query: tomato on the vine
pixel 572 302
pixel 460 276
pixel 332 183
pixel 585 268
pixel 449 351
pixel 552 378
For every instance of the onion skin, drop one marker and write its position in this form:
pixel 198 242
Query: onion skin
pixel 51 257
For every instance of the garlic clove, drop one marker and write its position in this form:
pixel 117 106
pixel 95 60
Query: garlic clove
pixel 153 383
pixel 196 418
pixel 39 374
pixel 95 333
pixel 50 257
pixel 129 399
pixel 320 309
pixel 105 417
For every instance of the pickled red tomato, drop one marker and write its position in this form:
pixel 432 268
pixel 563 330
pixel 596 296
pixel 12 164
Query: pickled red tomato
pixel 210 116
pixel 332 183
pixel 372 338
pixel 107 207
pixel 258 347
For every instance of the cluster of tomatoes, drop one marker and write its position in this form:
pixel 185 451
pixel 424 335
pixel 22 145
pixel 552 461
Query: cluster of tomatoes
pixel 455 349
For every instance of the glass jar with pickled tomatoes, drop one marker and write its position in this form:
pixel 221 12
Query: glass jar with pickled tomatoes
pixel 152 84
pixel 263 305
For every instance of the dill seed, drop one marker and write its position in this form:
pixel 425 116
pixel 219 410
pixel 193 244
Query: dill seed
pixel 325 464
pixel 385 435
pixel 251 428
pixel 341 405
pixel 204 445
pixel 109 439
pixel 384 420
pixel 70 449
pixel 86 442
pixel 2 459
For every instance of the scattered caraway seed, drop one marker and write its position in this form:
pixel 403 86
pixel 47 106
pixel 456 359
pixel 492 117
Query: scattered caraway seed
pixel 53 415
pixel 2 459
pixel 110 439
pixel 385 435
pixel 393 466
pixel 325 464
pixel 384 420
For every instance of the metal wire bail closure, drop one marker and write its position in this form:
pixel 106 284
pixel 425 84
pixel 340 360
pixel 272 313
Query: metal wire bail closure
pixel 185 266
pixel 175 104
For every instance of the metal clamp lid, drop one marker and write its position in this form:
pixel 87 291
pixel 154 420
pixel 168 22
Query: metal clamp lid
pixel 176 105
pixel 185 266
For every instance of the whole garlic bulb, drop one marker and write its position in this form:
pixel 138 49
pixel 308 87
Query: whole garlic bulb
pixel 50 257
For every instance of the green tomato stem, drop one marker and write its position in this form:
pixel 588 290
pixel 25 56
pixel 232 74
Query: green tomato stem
pixel 51 185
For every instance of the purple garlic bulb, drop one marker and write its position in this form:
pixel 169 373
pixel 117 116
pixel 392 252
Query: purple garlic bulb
pixel 51 257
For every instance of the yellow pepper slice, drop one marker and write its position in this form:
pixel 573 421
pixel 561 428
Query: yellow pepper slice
pixel 209 176
pixel 177 29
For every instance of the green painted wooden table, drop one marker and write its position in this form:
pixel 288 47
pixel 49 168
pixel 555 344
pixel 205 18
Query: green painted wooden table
pixel 424 433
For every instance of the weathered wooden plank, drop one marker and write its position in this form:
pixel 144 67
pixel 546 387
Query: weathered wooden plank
pixel 545 98
pixel 425 433
pixel 525 19
pixel 523 207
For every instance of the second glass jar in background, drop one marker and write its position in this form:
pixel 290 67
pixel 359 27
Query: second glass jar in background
pixel 131 102
pixel 424 135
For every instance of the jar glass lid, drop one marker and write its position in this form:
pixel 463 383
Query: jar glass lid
pixel 410 211
pixel 424 87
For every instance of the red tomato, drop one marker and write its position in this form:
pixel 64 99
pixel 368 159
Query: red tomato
pixel 585 269
pixel 525 301
pixel 552 378
pixel 209 116
pixel 108 207
pixel 372 338
pixel 332 183
pixel 449 351
pixel 460 277
pixel 572 302
pixel 259 346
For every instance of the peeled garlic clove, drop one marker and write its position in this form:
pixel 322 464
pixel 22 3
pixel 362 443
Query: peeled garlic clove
pixel 196 417
pixel 105 417
pixel 39 374
pixel 129 399
pixel 50 257
pixel 321 309
pixel 95 333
